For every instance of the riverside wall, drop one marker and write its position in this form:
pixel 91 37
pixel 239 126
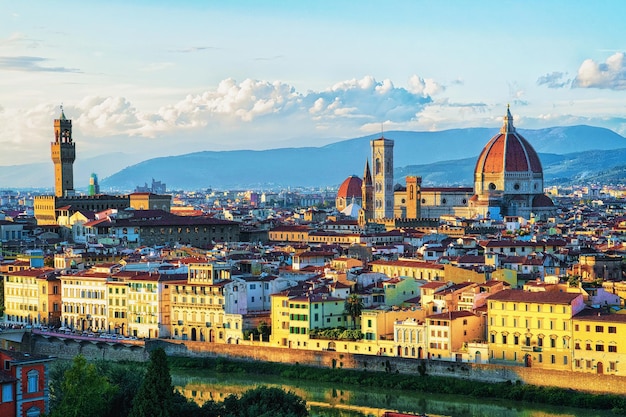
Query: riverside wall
pixel 259 351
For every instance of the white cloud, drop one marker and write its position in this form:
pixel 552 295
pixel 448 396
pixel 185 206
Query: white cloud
pixel 424 86
pixel 250 113
pixel 610 74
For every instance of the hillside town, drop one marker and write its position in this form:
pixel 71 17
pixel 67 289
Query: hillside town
pixel 510 272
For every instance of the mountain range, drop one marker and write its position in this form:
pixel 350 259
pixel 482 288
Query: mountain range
pixel 568 154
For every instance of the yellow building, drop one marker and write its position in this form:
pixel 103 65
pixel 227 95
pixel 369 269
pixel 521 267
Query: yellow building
pixel 150 201
pixel 410 268
pixel 85 299
pixel 599 342
pixel 198 306
pixel 532 328
pixel 117 302
pixel 293 317
pixel 26 298
pixel 143 305
pixel 448 332
pixel 289 234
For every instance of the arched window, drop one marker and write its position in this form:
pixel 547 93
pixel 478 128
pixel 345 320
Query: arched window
pixel 377 167
pixel 33 412
pixel 33 381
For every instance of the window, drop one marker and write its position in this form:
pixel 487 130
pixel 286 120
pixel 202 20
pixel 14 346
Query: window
pixel 599 348
pixel 612 348
pixel 7 393
pixel 599 329
pixel 33 381
pixel 33 412
pixel 612 329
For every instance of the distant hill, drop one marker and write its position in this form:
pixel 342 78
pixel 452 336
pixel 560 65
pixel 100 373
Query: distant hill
pixel 606 167
pixel 445 157
pixel 441 158
pixel 41 175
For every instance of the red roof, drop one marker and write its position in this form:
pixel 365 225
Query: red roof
pixel 547 297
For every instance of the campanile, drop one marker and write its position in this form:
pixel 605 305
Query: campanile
pixel 63 153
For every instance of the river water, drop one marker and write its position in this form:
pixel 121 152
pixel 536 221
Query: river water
pixel 337 400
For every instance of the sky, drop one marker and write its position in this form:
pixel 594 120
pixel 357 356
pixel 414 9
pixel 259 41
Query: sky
pixel 157 78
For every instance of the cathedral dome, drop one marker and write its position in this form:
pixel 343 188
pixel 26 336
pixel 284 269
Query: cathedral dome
pixel 508 152
pixel 351 187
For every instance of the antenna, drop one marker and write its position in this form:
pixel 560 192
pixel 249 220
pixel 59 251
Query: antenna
pixel 382 129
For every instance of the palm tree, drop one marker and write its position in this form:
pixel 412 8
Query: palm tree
pixel 354 306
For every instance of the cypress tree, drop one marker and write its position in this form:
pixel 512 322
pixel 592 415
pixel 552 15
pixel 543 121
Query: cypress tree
pixel 155 396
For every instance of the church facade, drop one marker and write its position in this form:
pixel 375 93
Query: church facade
pixel 508 181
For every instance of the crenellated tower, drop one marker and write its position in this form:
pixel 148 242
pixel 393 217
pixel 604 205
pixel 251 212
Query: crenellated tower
pixel 63 153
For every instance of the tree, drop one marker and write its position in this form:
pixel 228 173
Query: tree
pixel 265 402
pixel 127 380
pixel 264 330
pixel 353 306
pixel 84 392
pixel 156 394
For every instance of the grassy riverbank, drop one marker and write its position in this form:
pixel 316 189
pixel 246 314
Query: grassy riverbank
pixel 426 384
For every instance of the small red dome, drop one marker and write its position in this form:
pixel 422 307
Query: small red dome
pixel 508 151
pixel 542 200
pixel 351 187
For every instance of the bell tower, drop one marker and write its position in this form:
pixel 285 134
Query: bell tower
pixel 382 158
pixel 63 153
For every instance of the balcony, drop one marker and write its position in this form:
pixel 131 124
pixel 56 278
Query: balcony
pixel 527 348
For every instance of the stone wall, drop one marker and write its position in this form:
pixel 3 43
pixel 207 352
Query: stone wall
pixel 261 351
pixel 69 348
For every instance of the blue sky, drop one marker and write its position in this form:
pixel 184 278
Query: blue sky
pixel 163 78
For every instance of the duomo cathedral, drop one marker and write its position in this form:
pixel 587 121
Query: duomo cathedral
pixel 508 181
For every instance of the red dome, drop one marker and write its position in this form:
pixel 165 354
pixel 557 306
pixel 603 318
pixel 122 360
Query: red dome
pixel 542 200
pixel 351 187
pixel 508 151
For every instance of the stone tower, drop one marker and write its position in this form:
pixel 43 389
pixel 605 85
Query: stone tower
pixel 413 197
pixel 63 152
pixel 382 159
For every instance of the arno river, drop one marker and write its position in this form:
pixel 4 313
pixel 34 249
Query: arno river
pixel 336 400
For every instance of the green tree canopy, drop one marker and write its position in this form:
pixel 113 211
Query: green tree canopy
pixel 265 402
pixel 84 392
